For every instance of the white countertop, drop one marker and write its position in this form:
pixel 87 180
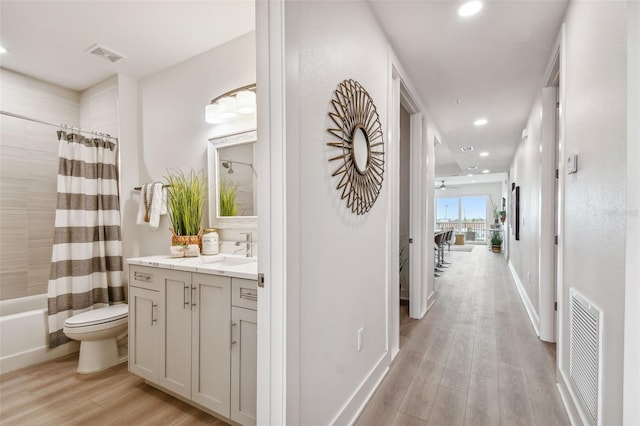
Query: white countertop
pixel 220 264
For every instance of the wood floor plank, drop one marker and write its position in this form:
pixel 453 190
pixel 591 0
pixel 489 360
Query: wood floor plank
pixel 482 401
pixel 387 399
pixel 478 342
pixel 448 408
pixel 421 395
pixel 405 420
pixel 54 394
pixel 547 406
pixel 515 406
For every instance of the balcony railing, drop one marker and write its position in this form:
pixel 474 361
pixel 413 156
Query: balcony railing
pixel 474 231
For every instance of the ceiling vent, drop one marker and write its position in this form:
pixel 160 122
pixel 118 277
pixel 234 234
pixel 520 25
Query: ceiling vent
pixel 106 53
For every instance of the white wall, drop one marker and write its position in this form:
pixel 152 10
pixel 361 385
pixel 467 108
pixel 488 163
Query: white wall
pixel 525 172
pixel 632 288
pixel 336 277
pixel 172 130
pixel 593 109
pixel 99 107
pixel 594 222
pixel 28 179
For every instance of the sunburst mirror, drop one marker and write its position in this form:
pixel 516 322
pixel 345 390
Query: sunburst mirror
pixel 361 145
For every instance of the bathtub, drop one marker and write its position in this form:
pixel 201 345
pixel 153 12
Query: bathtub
pixel 24 334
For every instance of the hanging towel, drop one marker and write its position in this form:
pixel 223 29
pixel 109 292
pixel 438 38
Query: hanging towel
pixel 153 203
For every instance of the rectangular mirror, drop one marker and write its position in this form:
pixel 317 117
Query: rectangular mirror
pixel 233 181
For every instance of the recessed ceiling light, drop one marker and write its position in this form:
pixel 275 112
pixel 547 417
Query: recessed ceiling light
pixel 470 8
pixel 480 122
pixel 484 154
pixel 472 168
pixel 470 174
pixel 3 49
pixel 486 171
pixel 466 149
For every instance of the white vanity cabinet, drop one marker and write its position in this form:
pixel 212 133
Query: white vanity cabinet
pixel 196 345
pixel 244 351
pixel 144 333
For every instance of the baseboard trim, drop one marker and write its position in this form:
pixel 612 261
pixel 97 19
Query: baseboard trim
pixel 431 299
pixel 533 315
pixel 567 396
pixel 358 401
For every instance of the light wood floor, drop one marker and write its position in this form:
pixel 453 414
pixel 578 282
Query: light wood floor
pixel 473 359
pixel 53 394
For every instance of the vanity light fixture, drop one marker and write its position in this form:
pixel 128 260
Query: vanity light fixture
pixel 228 105
pixel 470 8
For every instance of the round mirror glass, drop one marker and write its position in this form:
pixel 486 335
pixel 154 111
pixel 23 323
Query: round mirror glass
pixel 360 149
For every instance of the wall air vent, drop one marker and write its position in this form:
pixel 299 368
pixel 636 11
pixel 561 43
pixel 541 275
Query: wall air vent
pixel 105 53
pixel 584 354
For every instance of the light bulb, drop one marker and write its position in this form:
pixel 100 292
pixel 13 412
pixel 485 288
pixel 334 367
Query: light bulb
pixel 246 102
pixel 470 8
pixel 212 114
pixel 228 107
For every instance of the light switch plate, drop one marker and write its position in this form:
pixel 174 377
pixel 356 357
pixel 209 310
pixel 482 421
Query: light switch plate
pixel 572 164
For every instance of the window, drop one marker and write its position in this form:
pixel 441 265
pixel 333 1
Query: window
pixel 466 214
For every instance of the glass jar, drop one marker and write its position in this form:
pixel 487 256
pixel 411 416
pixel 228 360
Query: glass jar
pixel 210 241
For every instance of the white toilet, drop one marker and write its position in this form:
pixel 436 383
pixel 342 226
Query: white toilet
pixel 97 331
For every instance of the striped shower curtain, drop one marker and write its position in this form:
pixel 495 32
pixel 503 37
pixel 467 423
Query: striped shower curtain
pixel 86 261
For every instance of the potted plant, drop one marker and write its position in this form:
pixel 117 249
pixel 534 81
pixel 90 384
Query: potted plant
pixel 185 200
pixel 496 242
pixel 503 215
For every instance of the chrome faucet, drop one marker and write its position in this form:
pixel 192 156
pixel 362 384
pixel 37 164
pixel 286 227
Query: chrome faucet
pixel 249 243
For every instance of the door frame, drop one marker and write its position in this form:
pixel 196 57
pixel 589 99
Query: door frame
pixel 272 262
pixel 548 250
pixel 401 94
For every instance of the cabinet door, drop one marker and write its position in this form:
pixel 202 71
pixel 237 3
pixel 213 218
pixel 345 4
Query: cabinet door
pixel 144 333
pixel 244 349
pixel 211 323
pixel 175 329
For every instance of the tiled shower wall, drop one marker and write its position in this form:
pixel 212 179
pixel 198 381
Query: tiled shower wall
pixel 28 173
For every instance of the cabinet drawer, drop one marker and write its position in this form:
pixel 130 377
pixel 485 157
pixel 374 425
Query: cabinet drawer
pixel 144 277
pixel 244 293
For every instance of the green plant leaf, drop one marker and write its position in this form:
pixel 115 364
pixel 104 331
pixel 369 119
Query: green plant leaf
pixel 185 200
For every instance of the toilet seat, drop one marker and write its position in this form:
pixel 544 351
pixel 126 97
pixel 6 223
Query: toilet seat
pixel 101 316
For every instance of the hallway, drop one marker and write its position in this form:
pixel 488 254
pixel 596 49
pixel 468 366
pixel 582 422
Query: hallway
pixel 474 359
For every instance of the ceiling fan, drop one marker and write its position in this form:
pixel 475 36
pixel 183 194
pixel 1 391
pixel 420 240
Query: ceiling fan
pixel 443 186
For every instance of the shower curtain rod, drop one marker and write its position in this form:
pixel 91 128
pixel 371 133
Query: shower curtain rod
pixel 24 117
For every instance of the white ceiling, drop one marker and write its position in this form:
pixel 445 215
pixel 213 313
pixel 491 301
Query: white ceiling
pixel 47 39
pixel 493 61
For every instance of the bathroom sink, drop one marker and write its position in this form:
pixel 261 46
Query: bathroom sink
pixel 227 261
